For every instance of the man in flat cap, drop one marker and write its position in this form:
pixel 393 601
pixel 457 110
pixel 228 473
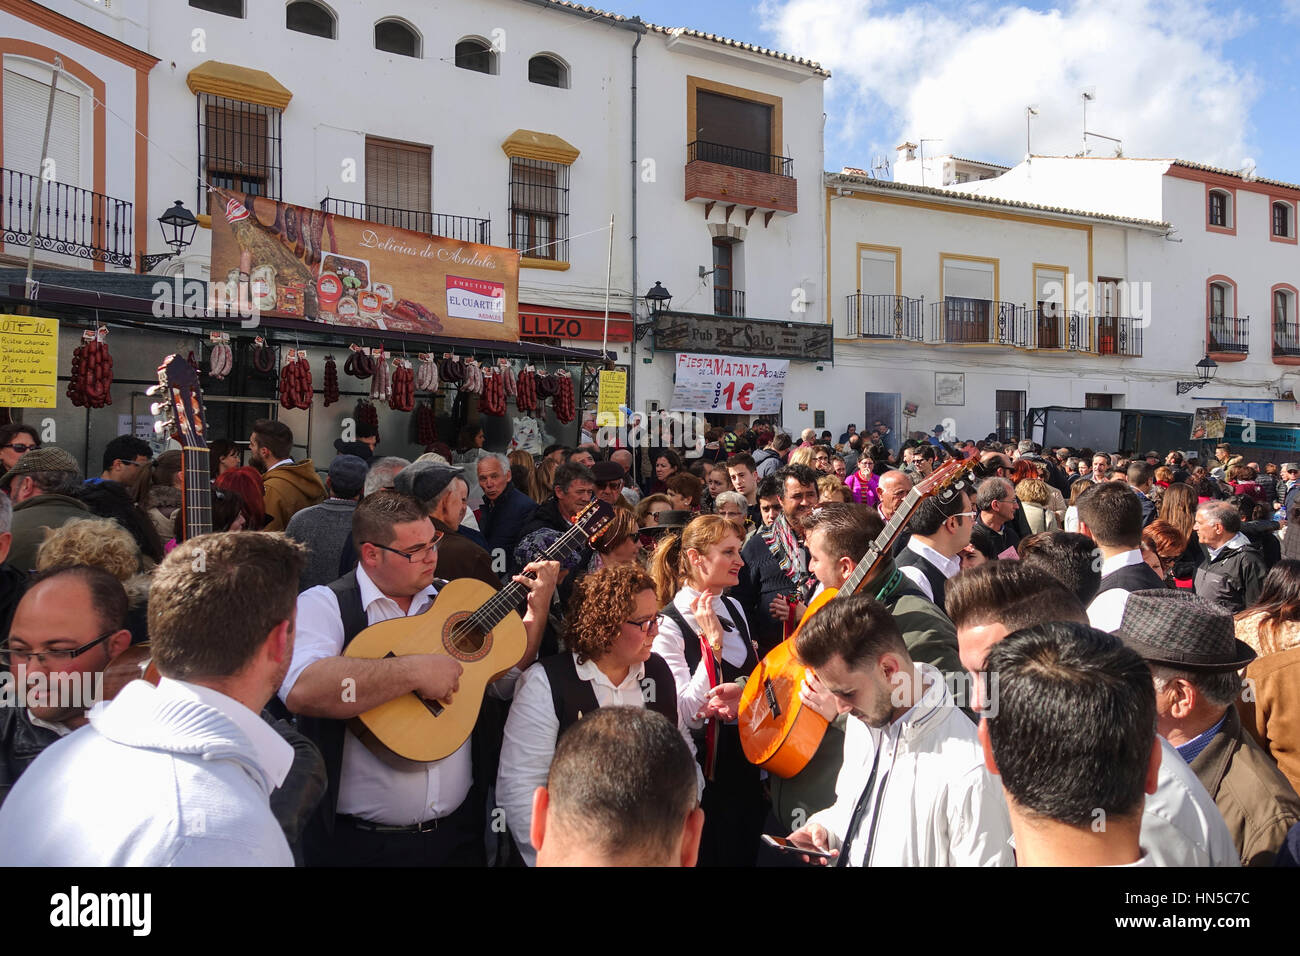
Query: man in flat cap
pixel 41 487
pixel 609 478
pixel 443 491
pixel 1195 658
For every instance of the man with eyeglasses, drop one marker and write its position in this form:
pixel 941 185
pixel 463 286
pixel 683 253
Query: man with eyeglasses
pixel 66 629
pixel 995 530
pixel 124 456
pixel 941 530
pixel 373 813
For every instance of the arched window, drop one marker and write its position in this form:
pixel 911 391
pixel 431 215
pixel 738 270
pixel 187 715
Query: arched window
pixel 227 8
pixel 394 36
pixel 307 16
pixel 476 54
pixel 547 70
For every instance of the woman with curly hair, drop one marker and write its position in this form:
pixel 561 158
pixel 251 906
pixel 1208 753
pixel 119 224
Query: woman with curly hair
pixel 612 622
pixel 1035 499
pixel 103 543
pixel 705 640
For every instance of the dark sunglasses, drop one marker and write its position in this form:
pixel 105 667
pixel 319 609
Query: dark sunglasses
pixel 21 448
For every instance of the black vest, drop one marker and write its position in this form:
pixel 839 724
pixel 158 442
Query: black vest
pixel 910 559
pixel 1132 577
pixel 572 696
pixel 325 732
pixel 691 640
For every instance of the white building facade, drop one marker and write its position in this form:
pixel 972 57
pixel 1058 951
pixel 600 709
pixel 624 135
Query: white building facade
pixel 1078 282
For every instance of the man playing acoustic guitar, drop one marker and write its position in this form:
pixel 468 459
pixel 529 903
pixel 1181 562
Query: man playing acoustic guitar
pixel 374 813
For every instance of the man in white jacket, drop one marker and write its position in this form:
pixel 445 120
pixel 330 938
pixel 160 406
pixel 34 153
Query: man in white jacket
pixel 913 790
pixel 179 774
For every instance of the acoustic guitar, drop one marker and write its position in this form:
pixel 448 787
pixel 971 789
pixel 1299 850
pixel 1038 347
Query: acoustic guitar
pixel 178 383
pixel 476 625
pixel 776 731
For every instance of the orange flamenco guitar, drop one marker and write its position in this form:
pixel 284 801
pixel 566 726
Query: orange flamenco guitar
pixel 777 732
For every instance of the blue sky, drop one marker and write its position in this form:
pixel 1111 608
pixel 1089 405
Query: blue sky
pixel 1212 82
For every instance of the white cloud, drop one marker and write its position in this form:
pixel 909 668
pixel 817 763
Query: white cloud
pixel 965 73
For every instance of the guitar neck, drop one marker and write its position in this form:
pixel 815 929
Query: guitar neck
pixel 196 497
pixel 513 594
pixel 884 543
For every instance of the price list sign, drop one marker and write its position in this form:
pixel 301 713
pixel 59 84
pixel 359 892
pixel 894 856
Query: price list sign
pixel 29 354
pixel 726 385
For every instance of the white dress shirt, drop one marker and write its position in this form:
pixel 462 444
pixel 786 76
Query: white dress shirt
pixel 948 567
pixel 693 689
pixel 282 461
pixel 1106 610
pixel 530 735
pixel 368 787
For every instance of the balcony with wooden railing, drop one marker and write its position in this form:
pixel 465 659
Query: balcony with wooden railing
pixel 70 221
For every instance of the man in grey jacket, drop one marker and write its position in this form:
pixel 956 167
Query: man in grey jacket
pixel 179 774
pixel 325 528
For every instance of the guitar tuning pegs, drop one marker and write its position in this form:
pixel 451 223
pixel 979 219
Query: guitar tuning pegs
pixel 160 428
pixel 155 390
pixel 157 408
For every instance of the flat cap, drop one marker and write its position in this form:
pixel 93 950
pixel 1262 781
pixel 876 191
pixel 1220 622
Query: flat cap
pixel 45 459
pixel 604 471
pixel 1180 630
pixel 425 480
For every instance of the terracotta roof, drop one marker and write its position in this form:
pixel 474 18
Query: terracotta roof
pixel 581 9
pixel 886 184
pixel 1235 173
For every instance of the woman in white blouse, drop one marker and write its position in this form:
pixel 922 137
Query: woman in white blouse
pixel 609 628
pixel 704 639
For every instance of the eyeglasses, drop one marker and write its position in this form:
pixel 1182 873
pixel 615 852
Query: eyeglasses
pixel 616 485
pixel 20 447
pixel 964 514
pixel 648 624
pixel 419 554
pixel 135 464
pixel 10 656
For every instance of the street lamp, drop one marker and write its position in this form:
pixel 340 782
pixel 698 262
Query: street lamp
pixel 178 225
pixel 1205 371
pixel 658 298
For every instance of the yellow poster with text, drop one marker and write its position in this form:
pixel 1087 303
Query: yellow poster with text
pixel 611 398
pixel 29 358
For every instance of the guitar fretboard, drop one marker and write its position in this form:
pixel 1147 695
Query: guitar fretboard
pixel 883 541
pixel 196 500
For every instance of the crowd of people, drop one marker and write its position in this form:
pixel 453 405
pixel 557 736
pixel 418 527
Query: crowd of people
pixel 1057 657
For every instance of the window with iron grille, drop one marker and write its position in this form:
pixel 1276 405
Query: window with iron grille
pixel 1010 414
pixel 399 184
pixel 539 208
pixel 472 54
pixel 239 147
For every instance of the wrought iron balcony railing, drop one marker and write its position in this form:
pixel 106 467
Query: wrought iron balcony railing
pixel 878 316
pixel 959 320
pixel 70 221
pixel 1229 333
pixel 729 302
pixel 739 158
pixel 463 228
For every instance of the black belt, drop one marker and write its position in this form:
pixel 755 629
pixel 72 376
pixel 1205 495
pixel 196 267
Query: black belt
pixel 428 826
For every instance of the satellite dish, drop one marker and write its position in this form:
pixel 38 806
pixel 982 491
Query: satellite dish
pixel 1247 170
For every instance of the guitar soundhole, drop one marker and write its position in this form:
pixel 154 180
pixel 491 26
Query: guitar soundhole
pixel 464 639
